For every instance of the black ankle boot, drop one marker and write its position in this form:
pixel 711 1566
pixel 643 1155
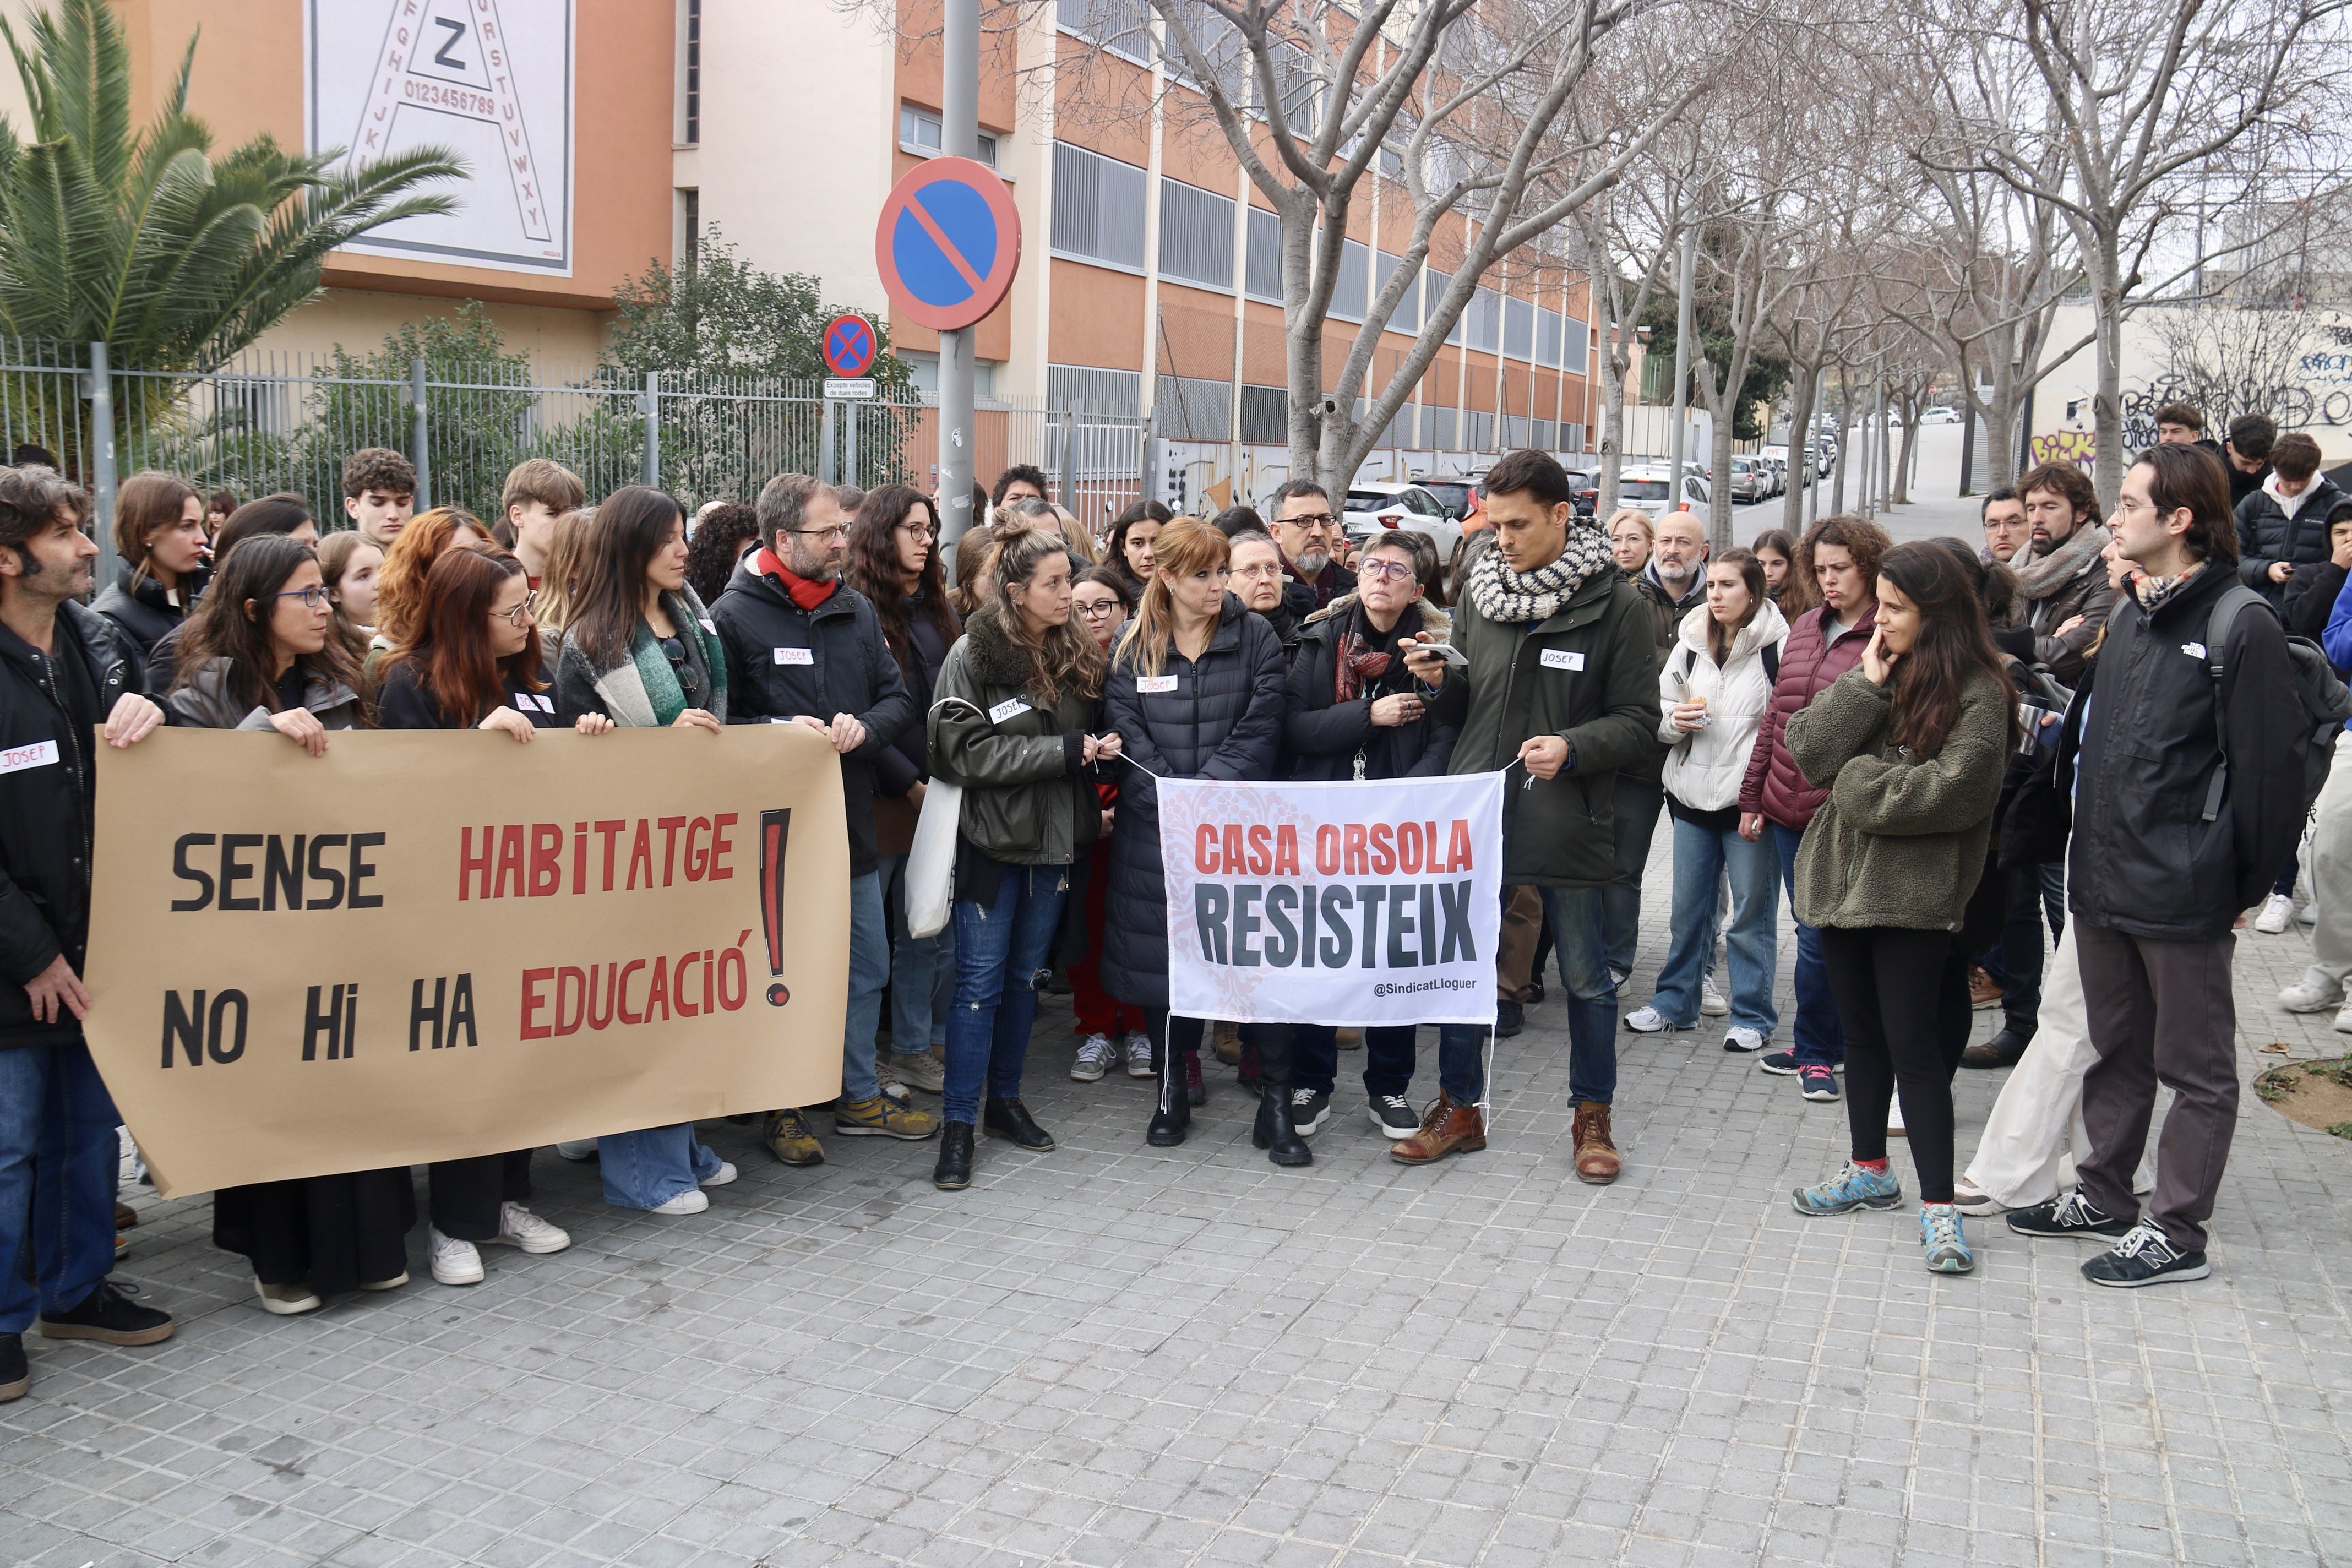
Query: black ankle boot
pixel 1173 1117
pixel 1010 1119
pixel 953 1173
pixel 1273 1131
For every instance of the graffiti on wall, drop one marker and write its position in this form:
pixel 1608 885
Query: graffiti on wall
pixel 2076 447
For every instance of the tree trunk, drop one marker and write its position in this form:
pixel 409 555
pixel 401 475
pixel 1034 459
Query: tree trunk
pixel 1613 428
pixel 2108 405
pixel 1845 445
pixel 1903 463
pixel 1800 451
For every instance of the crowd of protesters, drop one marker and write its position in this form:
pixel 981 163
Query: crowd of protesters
pixel 1892 738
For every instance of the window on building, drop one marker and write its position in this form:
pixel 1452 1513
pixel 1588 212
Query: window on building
pixel 1348 288
pixel 1433 285
pixel 920 133
pixel 1407 317
pixel 1485 324
pixel 693 71
pixel 1122 27
pixel 1098 207
pixel 1518 328
pixel 1193 408
pixel 1196 235
pixel 923 370
pixel 1440 425
pixel 1546 337
pixel 1575 339
pixel 1093 389
pixel 690 211
pixel 1263 265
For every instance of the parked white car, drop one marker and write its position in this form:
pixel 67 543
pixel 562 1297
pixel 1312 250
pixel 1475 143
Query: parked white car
pixel 1373 506
pixel 1647 489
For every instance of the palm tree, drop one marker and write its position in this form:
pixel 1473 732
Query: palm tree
pixel 144 239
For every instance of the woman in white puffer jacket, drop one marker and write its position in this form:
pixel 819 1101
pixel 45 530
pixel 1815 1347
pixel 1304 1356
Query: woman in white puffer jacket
pixel 1714 687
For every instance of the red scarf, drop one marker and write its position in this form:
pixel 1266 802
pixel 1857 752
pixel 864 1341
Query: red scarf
pixel 808 595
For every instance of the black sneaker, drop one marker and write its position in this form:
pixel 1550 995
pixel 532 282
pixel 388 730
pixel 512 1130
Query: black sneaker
pixel 1394 1116
pixel 15 1372
pixel 1508 1021
pixel 1310 1109
pixel 1783 1063
pixel 2070 1213
pixel 109 1316
pixel 2144 1257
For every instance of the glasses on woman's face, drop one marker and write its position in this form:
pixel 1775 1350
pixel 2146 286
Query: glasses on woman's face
pixel 311 597
pixel 1097 609
pixel 914 529
pixel 1385 571
pixel 520 615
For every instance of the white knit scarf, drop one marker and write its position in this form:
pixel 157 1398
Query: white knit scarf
pixel 1516 597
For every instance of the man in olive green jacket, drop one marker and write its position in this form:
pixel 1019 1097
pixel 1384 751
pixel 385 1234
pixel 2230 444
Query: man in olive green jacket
pixel 1563 681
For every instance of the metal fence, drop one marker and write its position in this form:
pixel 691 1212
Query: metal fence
pixel 271 421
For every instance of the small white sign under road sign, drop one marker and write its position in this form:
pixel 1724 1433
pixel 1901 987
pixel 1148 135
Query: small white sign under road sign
pixel 858 386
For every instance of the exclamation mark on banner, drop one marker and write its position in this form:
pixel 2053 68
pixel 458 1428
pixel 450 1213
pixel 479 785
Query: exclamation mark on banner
pixel 773 826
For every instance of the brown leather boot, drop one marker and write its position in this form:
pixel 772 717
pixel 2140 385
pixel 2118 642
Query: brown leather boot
pixel 1448 1129
pixel 1596 1153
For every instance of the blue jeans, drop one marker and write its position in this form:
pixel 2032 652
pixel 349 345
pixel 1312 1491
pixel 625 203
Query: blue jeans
pixel 650 1167
pixel 1388 1058
pixel 58 1160
pixel 999 955
pixel 1638 803
pixel 1818 1040
pixel 922 970
pixel 1702 855
pixel 1579 924
pixel 869 972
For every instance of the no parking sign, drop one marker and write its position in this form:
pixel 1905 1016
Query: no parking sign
pixel 948 242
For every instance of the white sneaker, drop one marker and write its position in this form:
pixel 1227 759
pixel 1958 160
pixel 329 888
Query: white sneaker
pixel 583 1150
pixel 1139 1054
pixel 1740 1039
pixel 1711 1004
pixel 2315 993
pixel 1095 1057
pixel 518 1226
pixel 1647 1021
pixel 694 1200
pixel 455 1261
pixel 1894 1128
pixel 720 1177
pixel 2344 1020
pixel 2278 913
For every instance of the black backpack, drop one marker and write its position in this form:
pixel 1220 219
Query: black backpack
pixel 2326 700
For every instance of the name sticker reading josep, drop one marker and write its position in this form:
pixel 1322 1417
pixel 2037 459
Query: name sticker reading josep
pixel 1155 683
pixel 794 656
pixel 1562 658
pixel 39 754
pixel 1010 708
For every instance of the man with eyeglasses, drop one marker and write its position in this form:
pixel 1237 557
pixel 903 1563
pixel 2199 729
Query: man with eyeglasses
pixel 1304 529
pixel 804 647
pixel 64 670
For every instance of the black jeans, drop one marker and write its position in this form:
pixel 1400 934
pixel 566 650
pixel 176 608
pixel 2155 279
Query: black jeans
pixel 1388 1058
pixel 1271 1042
pixel 466 1193
pixel 1902 1002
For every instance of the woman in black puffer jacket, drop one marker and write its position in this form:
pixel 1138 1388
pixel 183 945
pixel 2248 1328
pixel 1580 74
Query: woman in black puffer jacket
pixel 1196 691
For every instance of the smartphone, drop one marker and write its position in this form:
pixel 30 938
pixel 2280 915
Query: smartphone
pixel 1453 657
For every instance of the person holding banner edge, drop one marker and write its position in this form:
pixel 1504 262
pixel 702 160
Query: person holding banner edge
pixel 1195 690
pixel 473 661
pixel 1355 711
pixel 636 652
pixel 64 670
pixel 1018 704
pixel 1563 681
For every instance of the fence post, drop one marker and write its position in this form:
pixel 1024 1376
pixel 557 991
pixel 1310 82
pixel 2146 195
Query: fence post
pixel 420 456
pixel 101 441
pixel 1070 462
pixel 825 444
pixel 649 467
pixel 849 444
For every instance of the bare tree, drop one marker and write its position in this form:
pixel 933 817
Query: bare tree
pixel 1626 240
pixel 1472 106
pixel 2141 96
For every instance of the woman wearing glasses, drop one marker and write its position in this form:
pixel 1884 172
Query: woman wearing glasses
pixel 1354 712
pixel 258 656
pixel 473 662
pixel 894 561
pixel 637 652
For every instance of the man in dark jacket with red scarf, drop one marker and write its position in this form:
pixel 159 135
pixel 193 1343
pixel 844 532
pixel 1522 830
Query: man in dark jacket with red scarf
pixel 804 647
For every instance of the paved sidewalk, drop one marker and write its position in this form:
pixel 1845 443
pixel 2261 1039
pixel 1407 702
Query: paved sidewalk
pixel 1118 1355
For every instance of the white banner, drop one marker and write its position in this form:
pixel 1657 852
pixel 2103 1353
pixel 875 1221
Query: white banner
pixel 1348 904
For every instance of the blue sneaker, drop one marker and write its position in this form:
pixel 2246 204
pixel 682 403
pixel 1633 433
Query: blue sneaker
pixel 1851 1189
pixel 1946 1243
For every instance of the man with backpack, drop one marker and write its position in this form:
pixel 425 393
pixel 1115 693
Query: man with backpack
pixel 2184 755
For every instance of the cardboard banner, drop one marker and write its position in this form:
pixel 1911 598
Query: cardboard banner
pixel 1348 904
pixel 427 945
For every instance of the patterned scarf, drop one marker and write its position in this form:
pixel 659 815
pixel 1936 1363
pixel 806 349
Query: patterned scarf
pixel 2154 592
pixel 1504 596
pixel 1359 658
